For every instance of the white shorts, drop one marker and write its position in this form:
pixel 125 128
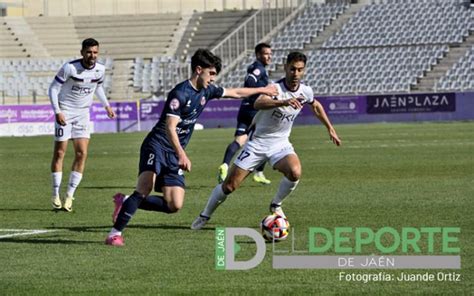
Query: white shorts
pixel 254 154
pixel 77 126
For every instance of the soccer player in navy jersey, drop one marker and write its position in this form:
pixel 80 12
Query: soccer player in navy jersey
pixel 162 154
pixel 256 77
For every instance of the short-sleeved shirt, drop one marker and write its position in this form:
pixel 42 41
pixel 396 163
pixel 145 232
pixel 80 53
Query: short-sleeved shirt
pixel 78 85
pixel 274 125
pixel 186 103
pixel 256 77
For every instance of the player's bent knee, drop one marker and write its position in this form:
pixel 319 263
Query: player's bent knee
pixel 294 175
pixel 175 207
pixel 229 187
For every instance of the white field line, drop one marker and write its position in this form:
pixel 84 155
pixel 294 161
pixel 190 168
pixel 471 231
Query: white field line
pixel 21 232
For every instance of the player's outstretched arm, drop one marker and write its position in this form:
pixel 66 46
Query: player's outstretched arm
pixel 318 110
pixel 243 92
pixel 183 160
pixel 266 102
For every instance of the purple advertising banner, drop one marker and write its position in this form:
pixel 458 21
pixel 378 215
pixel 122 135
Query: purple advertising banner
pixel 411 103
pixel 123 111
pixel 343 105
pixel 150 110
pixel 26 113
pixel 221 109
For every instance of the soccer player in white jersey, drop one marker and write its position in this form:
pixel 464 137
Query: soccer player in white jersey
pixel 71 94
pixel 269 140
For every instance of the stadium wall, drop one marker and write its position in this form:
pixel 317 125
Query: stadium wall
pixel 117 7
pixel 31 120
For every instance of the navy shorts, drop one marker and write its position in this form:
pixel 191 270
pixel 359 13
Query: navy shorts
pixel 164 163
pixel 244 120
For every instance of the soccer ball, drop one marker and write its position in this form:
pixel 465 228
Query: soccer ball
pixel 274 228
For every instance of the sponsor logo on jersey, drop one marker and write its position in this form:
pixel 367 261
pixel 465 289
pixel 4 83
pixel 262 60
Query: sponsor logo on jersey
pixel 81 90
pixel 279 116
pixel 174 104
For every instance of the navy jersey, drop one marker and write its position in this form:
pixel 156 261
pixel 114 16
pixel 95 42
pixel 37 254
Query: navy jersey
pixel 256 77
pixel 187 103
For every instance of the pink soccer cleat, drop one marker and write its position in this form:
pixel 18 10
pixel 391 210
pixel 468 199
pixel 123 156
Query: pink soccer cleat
pixel 114 240
pixel 118 201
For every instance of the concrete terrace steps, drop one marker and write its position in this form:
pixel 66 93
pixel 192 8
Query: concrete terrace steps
pixel 428 82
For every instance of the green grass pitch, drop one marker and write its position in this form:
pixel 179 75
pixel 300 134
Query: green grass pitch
pixel 395 175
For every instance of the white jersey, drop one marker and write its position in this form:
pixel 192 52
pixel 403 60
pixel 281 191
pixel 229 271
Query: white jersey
pixel 78 85
pixel 274 125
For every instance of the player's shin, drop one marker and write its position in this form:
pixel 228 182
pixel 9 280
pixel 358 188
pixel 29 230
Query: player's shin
pixel 155 203
pixel 230 152
pixel 285 188
pixel 129 207
pixel 74 180
pixel 217 197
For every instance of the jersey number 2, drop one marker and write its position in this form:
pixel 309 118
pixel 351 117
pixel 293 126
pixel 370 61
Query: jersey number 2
pixel 150 159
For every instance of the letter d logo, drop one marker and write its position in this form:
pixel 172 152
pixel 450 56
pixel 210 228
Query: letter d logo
pixel 230 234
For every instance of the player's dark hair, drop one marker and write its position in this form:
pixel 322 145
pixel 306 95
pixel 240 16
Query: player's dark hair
pixel 206 59
pixel 89 42
pixel 261 46
pixel 296 56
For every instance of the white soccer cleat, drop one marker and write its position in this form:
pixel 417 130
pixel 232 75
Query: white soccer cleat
pixel 67 206
pixel 277 210
pixel 56 202
pixel 200 222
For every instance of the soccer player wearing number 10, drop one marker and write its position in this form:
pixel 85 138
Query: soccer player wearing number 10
pixel 162 155
pixel 71 95
pixel 268 139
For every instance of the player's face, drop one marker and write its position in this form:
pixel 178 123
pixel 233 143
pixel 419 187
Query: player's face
pixel 206 76
pixel 294 72
pixel 89 55
pixel 265 56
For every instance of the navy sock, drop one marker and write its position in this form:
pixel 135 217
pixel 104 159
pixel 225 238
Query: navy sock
pixel 230 151
pixel 155 203
pixel 129 207
pixel 260 167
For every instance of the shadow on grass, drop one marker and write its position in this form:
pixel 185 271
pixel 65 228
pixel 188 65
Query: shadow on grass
pixel 28 210
pixel 52 241
pixel 106 228
pixel 130 188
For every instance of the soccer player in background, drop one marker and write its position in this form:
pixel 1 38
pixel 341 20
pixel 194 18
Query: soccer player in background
pixel 269 139
pixel 256 77
pixel 162 154
pixel 71 94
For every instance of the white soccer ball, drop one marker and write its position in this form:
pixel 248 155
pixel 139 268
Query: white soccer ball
pixel 275 228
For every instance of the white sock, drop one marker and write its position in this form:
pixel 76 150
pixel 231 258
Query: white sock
pixel 259 174
pixel 56 178
pixel 74 180
pixel 285 188
pixel 217 197
pixel 114 232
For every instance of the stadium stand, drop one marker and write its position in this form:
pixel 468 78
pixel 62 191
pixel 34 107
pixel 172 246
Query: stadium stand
pixel 461 75
pixel 387 46
pixel 23 79
pixel 206 29
pixel 372 53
